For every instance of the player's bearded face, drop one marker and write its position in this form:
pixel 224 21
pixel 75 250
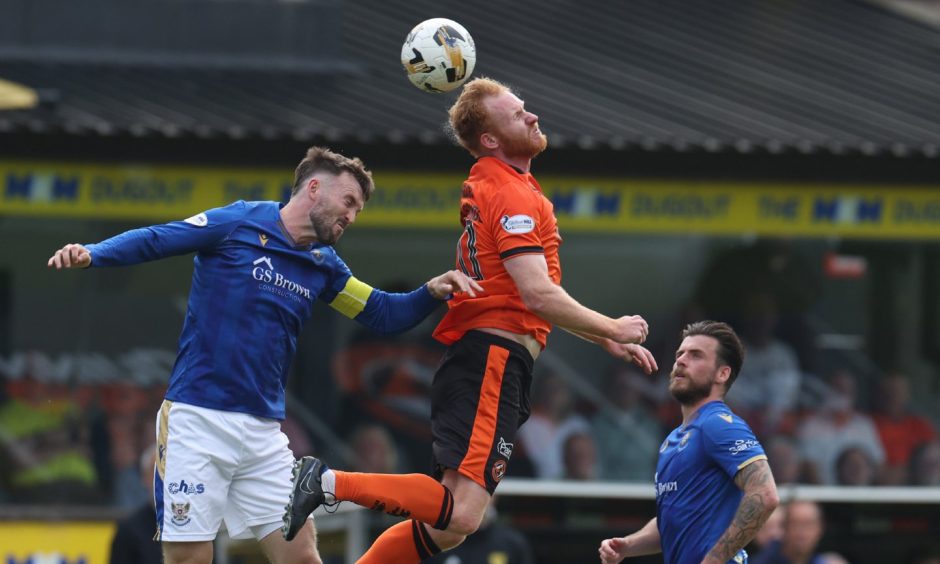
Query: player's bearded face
pixel 324 226
pixel 523 143
pixel 328 221
pixel 688 387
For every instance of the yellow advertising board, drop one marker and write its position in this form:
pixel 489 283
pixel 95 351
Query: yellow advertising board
pixel 64 542
pixel 162 193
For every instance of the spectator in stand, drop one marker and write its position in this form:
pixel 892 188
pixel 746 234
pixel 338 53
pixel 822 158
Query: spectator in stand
pixel 133 540
pixel 824 435
pixel 625 420
pixel 784 458
pixel 854 467
pixel 770 532
pixel 803 527
pixel 771 373
pixel 552 420
pixel 298 440
pixel 579 453
pixel 374 450
pixel 900 429
pixel 44 448
pixel 925 465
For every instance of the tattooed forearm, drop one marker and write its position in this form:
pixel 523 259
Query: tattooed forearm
pixel 759 501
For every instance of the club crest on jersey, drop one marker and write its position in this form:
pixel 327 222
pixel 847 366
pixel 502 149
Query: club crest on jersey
pixel 517 224
pixel 684 442
pixel 199 220
pixel 180 513
pixel 317 256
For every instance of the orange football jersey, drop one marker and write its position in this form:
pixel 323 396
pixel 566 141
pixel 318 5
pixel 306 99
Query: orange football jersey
pixel 504 214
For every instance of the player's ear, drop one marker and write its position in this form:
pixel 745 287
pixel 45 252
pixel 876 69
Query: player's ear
pixel 313 185
pixel 724 373
pixel 489 141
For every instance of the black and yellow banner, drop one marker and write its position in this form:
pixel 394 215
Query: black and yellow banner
pixel 153 194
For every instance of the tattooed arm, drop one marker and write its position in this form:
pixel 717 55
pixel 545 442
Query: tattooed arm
pixel 759 501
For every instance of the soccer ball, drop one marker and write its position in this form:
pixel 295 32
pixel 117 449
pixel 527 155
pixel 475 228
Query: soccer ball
pixel 438 55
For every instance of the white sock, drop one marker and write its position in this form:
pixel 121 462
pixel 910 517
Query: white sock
pixel 328 483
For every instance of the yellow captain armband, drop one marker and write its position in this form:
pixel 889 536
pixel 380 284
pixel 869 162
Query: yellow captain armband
pixel 352 298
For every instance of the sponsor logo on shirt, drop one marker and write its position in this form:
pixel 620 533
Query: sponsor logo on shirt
pixel 741 445
pixel 504 448
pixel 666 487
pixel 199 220
pixel 275 282
pixel 517 223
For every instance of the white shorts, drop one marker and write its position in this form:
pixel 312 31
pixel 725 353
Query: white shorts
pixel 219 465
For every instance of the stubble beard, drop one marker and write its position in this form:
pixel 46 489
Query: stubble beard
pixel 527 148
pixel 323 228
pixel 692 393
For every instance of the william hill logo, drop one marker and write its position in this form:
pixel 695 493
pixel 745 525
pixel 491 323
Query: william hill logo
pixel 263 271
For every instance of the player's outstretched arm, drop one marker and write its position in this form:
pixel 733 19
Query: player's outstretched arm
pixel 643 542
pixel 759 501
pixel 451 282
pixel 552 303
pixel 72 255
pixel 629 352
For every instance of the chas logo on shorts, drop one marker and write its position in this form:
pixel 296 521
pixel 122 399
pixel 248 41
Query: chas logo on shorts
pixel 183 488
pixel 180 513
pixel 517 223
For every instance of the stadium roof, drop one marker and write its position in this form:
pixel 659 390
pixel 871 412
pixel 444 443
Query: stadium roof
pixel 840 76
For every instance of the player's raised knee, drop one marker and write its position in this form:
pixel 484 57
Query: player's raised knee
pixel 464 523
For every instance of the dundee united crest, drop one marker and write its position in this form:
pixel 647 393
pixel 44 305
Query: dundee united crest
pixel 499 470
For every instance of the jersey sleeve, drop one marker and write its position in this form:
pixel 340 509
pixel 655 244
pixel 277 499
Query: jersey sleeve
pixel 730 442
pixel 200 232
pixel 380 311
pixel 513 217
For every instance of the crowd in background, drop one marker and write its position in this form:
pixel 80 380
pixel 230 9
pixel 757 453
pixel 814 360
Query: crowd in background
pixel 820 422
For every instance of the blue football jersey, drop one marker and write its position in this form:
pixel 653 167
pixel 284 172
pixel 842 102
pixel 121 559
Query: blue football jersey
pixel 696 496
pixel 253 288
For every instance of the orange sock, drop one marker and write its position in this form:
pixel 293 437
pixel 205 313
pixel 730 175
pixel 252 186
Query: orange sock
pixel 415 496
pixel 407 542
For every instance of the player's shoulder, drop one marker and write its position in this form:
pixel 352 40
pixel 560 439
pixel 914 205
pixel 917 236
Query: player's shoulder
pixel 492 177
pixel 257 208
pixel 718 414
